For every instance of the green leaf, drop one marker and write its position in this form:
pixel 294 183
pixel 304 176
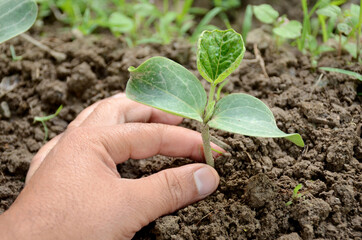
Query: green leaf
pixel 204 23
pixel 337 70
pixel 344 28
pixel 219 53
pixel 265 13
pixel 329 11
pixel 354 12
pixel 248 20
pixel 289 30
pixel 296 190
pixel 146 10
pixel 16 17
pixel 244 114
pixel 120 23
pixel 168 86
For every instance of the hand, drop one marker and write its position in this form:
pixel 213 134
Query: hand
pixel 73 189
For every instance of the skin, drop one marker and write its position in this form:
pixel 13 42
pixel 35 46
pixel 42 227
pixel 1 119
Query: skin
pixel 73 189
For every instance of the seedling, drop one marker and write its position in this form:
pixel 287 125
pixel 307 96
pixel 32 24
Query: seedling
pixel 13 54
pixel 337 70
pixel 283 28
pixel 296 195
pixel 164 84
pixel 349 27
pixel 47 118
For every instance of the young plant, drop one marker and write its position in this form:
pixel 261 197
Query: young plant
pixel 168 86
pixel 13 54
pixel 283 28
pixel 47 118
pixel 296 195
pixel 16 17
pixel 342 71
pixel 349 28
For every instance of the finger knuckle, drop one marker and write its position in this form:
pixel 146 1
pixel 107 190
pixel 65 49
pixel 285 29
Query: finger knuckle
pixel 78 136
pixel 174 190
pixel 104 106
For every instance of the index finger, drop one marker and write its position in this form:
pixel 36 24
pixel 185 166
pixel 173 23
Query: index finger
pixel 119 109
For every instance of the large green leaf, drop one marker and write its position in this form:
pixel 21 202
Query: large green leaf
pixel 265 13
pixel 289 30
pixel 16 16
pixel 164 84
pixel 244 114
pixel 219 53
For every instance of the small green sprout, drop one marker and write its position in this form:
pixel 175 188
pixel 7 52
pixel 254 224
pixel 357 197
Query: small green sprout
pixel 16 16
pixel 296 195
pixel 47 118
pixel 168 86
pixel 338 70
pixel 13 54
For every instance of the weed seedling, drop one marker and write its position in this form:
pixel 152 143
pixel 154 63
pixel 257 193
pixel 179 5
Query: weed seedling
pixel 283 28
pixel 13 54
pixel 47 118
pixel 296 195
pixel 166 85
pixel 346 72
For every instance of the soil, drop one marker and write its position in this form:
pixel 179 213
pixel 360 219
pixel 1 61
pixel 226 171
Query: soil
pixel 257 176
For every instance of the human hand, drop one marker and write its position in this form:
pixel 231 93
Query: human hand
pixel 73 189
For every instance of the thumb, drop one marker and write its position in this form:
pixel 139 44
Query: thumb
pixel 169 190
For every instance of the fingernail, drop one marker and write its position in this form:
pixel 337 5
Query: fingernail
pixel 205 181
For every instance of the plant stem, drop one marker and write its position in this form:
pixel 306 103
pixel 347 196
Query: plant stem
pixel 207 147
pixel 306 26
pixel 210 104
pixel 359 27
pixel 205 128
pixel 339 44
pixel 211 93
pixel 324 29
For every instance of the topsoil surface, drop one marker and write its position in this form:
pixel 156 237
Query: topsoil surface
pixel 257 176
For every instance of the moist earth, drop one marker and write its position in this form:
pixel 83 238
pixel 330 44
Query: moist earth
pixel 257 175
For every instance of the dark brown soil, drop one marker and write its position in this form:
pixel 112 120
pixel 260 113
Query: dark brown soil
pixel 257 177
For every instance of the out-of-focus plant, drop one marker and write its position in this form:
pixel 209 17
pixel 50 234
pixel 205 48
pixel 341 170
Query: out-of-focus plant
pixel 349 28
pixel 332 23
pixel 247 22
pixel 137 21
pixel 342 71
pixel 283 28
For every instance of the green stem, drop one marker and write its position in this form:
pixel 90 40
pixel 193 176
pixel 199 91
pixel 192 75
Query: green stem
pixel 165 6
pixel 211 93
pixel 207 147
pixel 324 29
pixel 210 104
pixel 306 25
pixel 359 27
pixel 45 131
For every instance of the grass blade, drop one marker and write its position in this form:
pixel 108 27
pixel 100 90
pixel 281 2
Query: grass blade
pixel 337 70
